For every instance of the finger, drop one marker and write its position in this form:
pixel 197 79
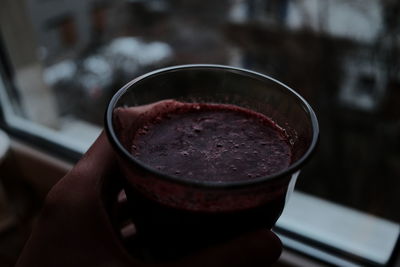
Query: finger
pixel 128 120
pixel 86 180
pixel 261 248
pixel 99 158
pixel 128 116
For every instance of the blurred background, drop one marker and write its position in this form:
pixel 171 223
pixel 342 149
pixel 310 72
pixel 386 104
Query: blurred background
pixel 63 60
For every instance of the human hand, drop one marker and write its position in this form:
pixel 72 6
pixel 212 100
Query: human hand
pixel 75 229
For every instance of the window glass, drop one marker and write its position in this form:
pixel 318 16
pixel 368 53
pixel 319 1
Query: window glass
pixel 65 59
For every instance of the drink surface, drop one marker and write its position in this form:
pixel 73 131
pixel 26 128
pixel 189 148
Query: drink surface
pixel 212 142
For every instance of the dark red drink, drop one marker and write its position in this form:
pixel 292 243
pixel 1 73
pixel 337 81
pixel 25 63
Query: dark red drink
pixel 205 143
pixel 209 142
pixel 197 174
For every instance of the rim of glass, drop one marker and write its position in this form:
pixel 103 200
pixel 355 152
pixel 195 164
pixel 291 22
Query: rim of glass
pixel 209 184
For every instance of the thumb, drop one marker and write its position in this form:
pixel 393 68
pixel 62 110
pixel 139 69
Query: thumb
pixel 261 248
pixel 129 120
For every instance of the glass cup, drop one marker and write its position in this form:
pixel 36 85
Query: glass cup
pixel 175 216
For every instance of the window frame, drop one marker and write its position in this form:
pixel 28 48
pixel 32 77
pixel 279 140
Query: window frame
pixel 327 253
pixel 29 137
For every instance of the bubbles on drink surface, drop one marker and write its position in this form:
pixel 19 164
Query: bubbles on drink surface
pixel 212 142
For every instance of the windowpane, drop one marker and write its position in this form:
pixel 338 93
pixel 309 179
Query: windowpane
pixel 67 58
